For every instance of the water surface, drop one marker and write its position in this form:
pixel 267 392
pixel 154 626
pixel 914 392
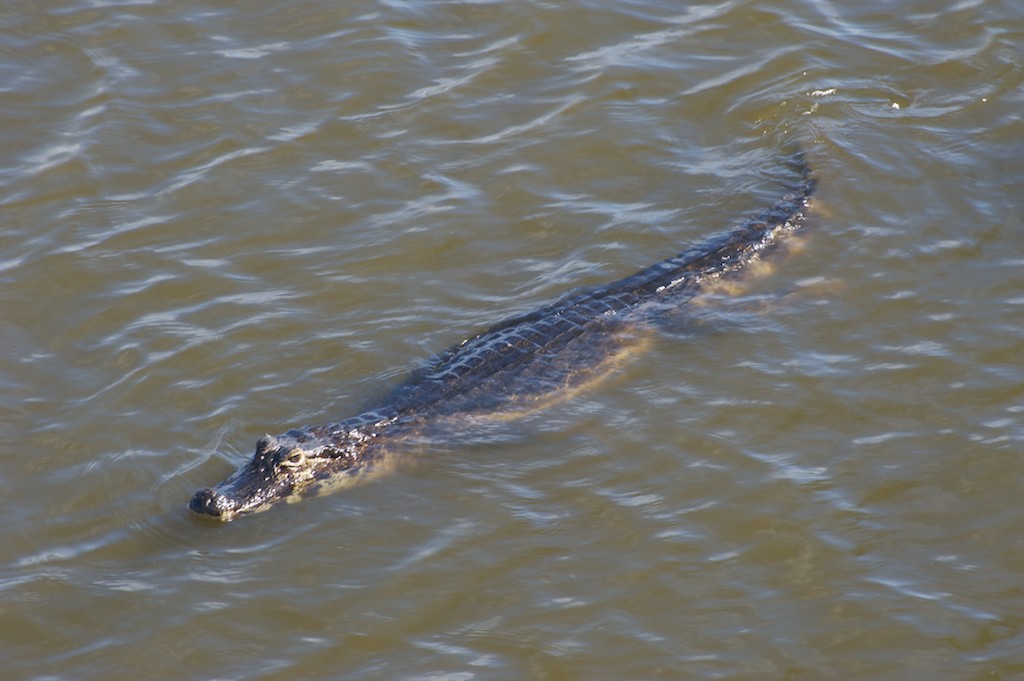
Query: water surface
pixel 225 219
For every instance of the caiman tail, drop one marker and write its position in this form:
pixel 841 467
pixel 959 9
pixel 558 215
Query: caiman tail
pixel 727 254
pixel 515 367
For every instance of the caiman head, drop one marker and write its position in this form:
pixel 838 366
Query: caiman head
pixel 288 467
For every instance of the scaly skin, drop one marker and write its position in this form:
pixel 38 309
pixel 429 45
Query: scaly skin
pixel 517 366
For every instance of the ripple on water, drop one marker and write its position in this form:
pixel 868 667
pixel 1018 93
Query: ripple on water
pixel 220 221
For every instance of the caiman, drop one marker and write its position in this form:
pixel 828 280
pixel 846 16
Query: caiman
pixel 515 367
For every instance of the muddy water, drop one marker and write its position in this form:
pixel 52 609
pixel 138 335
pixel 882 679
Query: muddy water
pixel 224 219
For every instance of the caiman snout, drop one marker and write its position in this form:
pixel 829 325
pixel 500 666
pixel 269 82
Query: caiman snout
pixel 269 477
pixel 211 502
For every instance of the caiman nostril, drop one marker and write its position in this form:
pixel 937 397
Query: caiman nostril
pixel 208 501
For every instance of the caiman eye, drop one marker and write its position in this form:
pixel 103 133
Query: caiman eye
pixel 297 457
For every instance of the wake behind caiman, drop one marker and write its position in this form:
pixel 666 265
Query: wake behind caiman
pixel 518 366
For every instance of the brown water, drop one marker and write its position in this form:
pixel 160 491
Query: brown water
pixel 222 219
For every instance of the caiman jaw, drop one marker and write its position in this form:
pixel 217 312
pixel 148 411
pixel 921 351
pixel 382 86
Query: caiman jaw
pixel 210 502
pixel 229 500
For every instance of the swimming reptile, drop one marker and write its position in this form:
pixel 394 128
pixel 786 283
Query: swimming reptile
pixel 517 366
